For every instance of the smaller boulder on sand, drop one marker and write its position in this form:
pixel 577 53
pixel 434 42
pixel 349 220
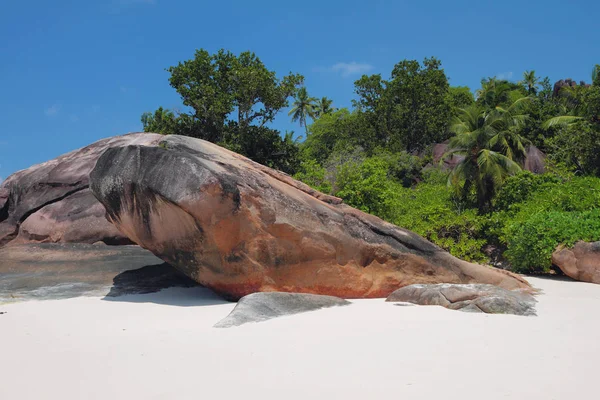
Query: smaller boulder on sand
pixel 258 307
pixel 471 297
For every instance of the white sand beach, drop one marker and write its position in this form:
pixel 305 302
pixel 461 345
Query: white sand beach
pixel 164 346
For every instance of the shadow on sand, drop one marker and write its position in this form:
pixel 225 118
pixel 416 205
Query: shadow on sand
pixel 160 284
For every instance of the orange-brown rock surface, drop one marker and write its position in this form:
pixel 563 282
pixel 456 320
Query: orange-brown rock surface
pixel 582 262
pixel 239 227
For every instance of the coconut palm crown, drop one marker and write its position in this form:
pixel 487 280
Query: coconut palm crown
pixel 304 107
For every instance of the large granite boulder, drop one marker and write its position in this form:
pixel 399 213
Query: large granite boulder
pixel 535 159
pixel 238 227
pixel 439 156
pixel 257 307
pixel 566 83
pixel 51 202
pixel 473 298
pixel 582 262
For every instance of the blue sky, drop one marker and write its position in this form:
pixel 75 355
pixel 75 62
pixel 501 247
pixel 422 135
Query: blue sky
pixel 73 72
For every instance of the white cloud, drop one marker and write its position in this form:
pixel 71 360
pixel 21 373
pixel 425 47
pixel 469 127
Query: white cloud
pixel 351 68
pixel 52 110
pixel 505 76
pixel 73 118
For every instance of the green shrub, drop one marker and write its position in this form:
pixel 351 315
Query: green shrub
pixel 533 213
pixel 518 188
pixel 313 175
pixel 577 194
pixel 429 210
pixel 533 217
pixel 402 166
pixel 530 244
pixel 366 186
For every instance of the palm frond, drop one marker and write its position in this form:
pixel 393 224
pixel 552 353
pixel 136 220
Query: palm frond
pixel 562 120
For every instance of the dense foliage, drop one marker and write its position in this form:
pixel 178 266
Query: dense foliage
pixel 475 200
pixel 230 100
pixel 531 244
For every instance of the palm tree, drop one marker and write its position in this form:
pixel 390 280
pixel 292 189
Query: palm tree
pixel 564 120
pixel 303 107
pixel 530 81
pixel 324 106
pixel 493 92
pixel 491 147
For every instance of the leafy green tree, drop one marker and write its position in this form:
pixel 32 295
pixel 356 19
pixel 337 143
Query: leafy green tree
pixel 231 99
pixel 340 130
pixel 223 84
pixel 412 109
pixel 374 106
pixel 577 141
pixel 161 121
pixel 578 146
pixel 460 96
pixel 418 95
pixel 596 75
pixel 304 107
pixel 265 146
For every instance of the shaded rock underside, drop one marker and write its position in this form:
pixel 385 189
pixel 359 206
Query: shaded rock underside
pixel 63 270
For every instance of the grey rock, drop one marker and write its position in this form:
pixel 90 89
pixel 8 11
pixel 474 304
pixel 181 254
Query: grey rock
pixel 263 306
pixel 535 159
pixel 64 270
pixel 51 202
pixel 471 298
pixel 581 262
